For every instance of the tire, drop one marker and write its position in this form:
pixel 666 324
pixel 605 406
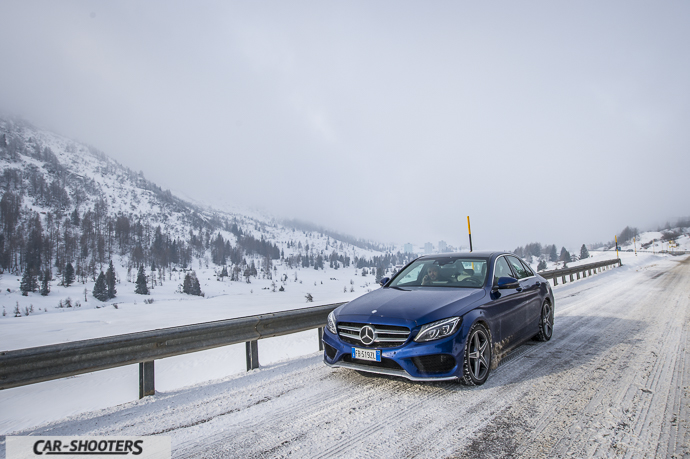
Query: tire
pixel 545 322
pixel 477 363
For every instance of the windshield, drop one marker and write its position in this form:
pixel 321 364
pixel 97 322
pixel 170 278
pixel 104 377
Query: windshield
pixel 443 272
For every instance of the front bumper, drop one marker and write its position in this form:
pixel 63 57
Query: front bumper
pixel 388 371
pixel 410 361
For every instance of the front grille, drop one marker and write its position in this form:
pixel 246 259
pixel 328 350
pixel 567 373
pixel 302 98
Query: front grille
pixel 437 363
pixel 386 335
pixel 384 363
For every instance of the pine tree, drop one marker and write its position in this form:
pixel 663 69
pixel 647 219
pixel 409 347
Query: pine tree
pixel 45 285
pixel 34 281
pixel 110 280
pixel 28 282
pixel 191 285
pixel 100 290
pixel 187 284
pixel 541 265
pixel 141 287
pixel 565 255
pixel 584 253
pixel 196 287
pixel 68 275
pixel 553 254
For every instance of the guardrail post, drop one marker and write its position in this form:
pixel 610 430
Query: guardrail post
pixel 578 275
pixel 555 281
pixel 320 338
pixel 563 279
pixel 252 354
pixel 571 277
pixel 146 379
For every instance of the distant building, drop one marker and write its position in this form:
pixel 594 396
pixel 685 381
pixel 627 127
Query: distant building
pixel 409 248
pixel 442 247
pixel 428 248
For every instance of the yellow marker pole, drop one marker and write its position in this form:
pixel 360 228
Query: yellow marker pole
pixel 469 231
pixel 616 237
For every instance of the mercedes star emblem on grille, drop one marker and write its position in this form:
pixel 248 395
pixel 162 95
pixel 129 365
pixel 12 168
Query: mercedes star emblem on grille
pixel 367 334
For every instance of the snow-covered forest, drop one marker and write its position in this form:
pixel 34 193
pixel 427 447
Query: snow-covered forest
pixel 67 210
pixel 667 237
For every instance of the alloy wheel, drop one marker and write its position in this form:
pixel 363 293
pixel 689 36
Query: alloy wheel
pixel 478 355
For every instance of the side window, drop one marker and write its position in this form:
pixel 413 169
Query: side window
pixel 527 268
pixel 502 269
pixel 518 267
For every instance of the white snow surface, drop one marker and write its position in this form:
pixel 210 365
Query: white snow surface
pixel 78 399
pixel 26 406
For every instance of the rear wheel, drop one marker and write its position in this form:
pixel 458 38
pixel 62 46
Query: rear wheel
pixel 545 322
pixel 477 356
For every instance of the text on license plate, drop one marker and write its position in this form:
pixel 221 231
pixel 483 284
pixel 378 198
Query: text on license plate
pixel 366 354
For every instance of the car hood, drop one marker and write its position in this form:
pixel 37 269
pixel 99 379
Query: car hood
pixel 409 306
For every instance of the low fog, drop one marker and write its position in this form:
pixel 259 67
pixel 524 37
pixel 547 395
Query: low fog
pixel 556 122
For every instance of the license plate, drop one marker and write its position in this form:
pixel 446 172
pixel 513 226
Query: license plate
pixel 366 354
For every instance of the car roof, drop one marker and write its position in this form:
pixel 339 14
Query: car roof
pixel 464 254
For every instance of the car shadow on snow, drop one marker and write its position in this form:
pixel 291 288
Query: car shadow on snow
pixel 577 341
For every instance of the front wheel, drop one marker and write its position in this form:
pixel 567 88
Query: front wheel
pixel 545 322
pixel 477 356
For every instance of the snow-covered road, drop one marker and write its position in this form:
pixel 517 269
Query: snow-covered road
pixel 613 381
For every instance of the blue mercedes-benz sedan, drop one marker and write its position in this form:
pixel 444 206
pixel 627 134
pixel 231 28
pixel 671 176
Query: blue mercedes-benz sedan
pixel 442 317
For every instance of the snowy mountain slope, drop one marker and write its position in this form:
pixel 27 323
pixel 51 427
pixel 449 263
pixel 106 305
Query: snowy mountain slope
pixel 89 176
pixel 89 209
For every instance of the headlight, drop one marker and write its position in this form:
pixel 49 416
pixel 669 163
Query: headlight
pixel 331 324
pixel 439 329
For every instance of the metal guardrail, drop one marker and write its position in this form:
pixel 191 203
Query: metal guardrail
pixel 587 269
pixel 33 365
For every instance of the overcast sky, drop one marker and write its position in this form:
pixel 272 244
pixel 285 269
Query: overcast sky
pixel 557 122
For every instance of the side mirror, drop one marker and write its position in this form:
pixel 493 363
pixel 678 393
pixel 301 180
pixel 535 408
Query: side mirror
pixel 506 282
pixel 384 281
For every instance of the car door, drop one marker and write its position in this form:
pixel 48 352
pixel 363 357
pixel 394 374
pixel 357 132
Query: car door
pixel 504 309
pixel 529 298
pixel 533 283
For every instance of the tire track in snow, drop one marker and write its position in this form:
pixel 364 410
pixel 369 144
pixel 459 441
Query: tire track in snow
pixel 659 389
pixel 583 425
pixel 528 419
pixel 619 380
pixel 558 401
